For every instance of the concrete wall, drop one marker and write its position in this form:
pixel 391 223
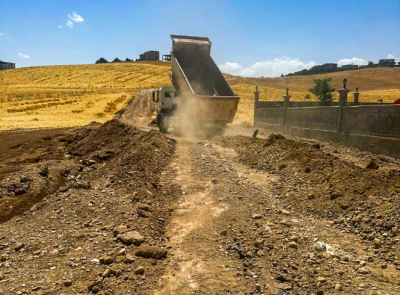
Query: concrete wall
pixel 374 128
pixel 388 146
pixel 324 118
pixel 374 120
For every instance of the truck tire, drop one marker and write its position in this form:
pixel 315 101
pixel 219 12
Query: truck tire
pixel 161 124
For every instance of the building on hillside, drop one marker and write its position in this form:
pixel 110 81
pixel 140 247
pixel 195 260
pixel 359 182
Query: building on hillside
pixel 364 66
pixel 151 55
pixel 166 57
pixel 386 62
pixel 6 65
pixel 330 66
pixel 348 67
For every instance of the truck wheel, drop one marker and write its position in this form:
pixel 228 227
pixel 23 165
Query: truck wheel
pixel 161 125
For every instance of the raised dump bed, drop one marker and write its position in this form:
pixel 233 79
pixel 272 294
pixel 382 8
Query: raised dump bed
pixel 199 83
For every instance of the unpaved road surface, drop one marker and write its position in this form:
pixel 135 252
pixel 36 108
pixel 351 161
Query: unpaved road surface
pixel 137 212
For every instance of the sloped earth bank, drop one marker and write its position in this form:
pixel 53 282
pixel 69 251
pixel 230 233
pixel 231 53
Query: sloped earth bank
pixel 103 229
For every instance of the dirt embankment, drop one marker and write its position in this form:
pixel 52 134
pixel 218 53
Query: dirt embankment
pixel 362 201
pixel 103 229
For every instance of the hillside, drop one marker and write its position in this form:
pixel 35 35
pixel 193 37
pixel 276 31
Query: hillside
pixel 74 95
pixel 365 79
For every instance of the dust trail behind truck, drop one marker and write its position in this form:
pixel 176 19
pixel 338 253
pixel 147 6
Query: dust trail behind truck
pixel 201 97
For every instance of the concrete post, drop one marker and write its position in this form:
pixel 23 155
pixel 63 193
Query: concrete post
pixel 342 103
pixel 286 99
pixel 256 99
pixel 356 94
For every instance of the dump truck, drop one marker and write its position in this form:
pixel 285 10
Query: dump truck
pixel 201 98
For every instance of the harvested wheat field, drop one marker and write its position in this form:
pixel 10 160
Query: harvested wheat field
pixel 66 96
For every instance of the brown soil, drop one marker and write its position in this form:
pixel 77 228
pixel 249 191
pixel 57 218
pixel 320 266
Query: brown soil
pixel 232 215
pixel 114 181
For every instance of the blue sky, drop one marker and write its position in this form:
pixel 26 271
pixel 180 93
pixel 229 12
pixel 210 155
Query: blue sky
pixel 251 38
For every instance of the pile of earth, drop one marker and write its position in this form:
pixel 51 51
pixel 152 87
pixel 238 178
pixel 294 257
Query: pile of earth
pixel 102 231
pixel 360 200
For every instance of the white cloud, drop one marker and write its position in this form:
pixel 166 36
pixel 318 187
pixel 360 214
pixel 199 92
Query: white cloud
pixel 273 68
pixel 1 33
pixel 70 24
pixel 23 55
pixel 352 61
pixel 391 56
pixel 76 18
pixel 60 27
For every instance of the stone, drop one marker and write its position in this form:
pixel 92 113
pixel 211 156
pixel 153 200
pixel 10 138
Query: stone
pixel 321 279
pixel 144 207
pixel 140 270
pixel 256 216
pixel 106 273
pixel 338 287
pixel 132 237
pixel 281 167
pixel 116 272
pixel 377 243
pixel 293 245
pixel 19 246
pixel 67 283
pixel 311 196
pixel 285 286
pixel 129 259
pixel 258 287
pixel 19 191
pixel 373 164
pixel 106 260
pixel 83 184
pixel 334 195
pixel 363 270
pixel 319 248
pixel 121 252
pixel 119 259
pixel 155 252
pixel 96 289
pixel 224 232
pixel 119 230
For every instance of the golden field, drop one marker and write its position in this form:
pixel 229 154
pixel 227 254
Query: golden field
pixel 66 96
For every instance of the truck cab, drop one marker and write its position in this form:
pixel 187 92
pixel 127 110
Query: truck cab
pixel 167 102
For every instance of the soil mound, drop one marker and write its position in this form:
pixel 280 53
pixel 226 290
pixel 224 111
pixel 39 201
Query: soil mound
pixel 360 200
pixel 67 243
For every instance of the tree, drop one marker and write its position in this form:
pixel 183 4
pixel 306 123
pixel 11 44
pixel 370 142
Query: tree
pixel 127 59
pixel 307 96
pixel 370 63
pixel 323 90
pixel 116 60
pixel 101 60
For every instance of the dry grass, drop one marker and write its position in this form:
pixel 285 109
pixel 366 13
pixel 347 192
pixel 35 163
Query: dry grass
pixel 365 79
pixel 62 96
pixel 79 109
pixel 65 96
